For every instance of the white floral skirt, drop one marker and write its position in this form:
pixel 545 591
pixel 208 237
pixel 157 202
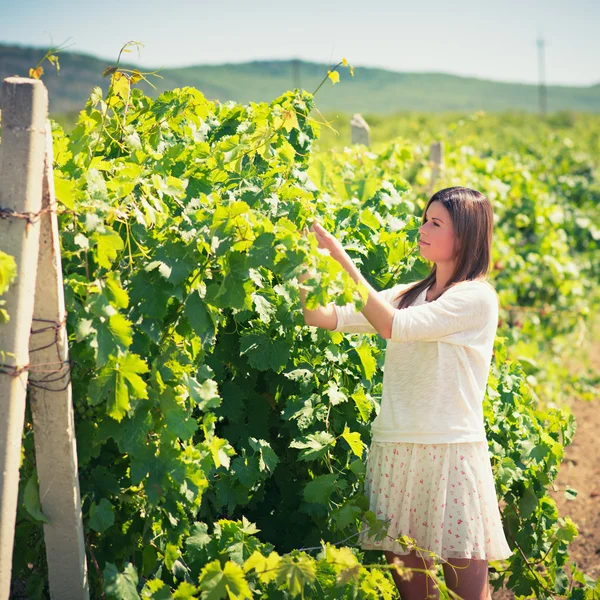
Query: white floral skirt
pixel 442 495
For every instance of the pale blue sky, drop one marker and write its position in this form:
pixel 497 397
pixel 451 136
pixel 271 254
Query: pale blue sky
pixel 491 40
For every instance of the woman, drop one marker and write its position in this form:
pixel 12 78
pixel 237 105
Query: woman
pixel 429 474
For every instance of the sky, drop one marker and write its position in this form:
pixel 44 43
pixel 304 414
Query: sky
pixel 473 38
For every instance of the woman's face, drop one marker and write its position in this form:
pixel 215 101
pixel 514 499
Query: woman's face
pixel 438 232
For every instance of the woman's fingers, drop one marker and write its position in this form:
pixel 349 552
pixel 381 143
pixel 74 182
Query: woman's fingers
pixel 327 242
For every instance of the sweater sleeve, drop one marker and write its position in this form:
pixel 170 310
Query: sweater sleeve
pixel 455 317
pixel 349 320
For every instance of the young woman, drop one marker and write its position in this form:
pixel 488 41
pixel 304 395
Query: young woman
pixel 428 468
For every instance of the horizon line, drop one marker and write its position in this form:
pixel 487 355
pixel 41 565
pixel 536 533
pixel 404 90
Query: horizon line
pixel 302 60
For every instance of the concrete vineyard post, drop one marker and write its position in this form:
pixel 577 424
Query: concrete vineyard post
pixel 24 105
pixel 52 412
pixel 361 132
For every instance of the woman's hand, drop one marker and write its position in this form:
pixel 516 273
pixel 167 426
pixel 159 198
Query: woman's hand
pixel 327 241
pixel 328 244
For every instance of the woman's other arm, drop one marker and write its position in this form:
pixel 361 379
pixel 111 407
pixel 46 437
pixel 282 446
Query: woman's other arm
pixel 322 316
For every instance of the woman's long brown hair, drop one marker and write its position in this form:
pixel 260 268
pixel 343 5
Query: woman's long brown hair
pixel 473 220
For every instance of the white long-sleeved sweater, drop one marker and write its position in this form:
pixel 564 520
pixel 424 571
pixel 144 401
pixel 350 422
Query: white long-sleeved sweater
pixel 437 363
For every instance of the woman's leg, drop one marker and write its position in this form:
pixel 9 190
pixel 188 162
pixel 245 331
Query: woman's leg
pixel 469 579
pixel 420 586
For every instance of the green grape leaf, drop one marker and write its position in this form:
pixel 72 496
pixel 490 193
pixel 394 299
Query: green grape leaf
pixel 113 335
pixel 31 498
pixel 268 460
pixel 117 382
pixel 264 353
pixel 528 502
pixel 246 470
pixel 131 434
pixel 507 471
pixel 198 537
pixel 205 394
pixel 102 516
pixel 567 530
pixel 231 293
pixel 117 296
pixel 314 446
pixel 109 244
pixel 320 488
pixel 200 318
pixel 178 420
pixel 149 560
pixel 336 396
pixel 120 586
pixel 346 515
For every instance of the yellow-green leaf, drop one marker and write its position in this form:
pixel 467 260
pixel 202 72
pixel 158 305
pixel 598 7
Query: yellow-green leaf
pixel 172 553
pixel 290 120
pixel 367 360
pixel 354 441
pixel 221 450
pixel 369 219
pixel 567 530
pixel 295 572
pixel 120 85
pixel 229 582
pixel 8 270
pixel 185 591
pixel 363 404
pixel 265 566
pixel 63 190
pixel 109 244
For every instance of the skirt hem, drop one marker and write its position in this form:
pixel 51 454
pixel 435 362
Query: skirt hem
pixel 441 497
pixel 443 557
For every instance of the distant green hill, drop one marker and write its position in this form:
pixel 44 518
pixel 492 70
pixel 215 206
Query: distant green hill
pixel 371 91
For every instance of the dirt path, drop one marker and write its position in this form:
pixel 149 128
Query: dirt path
pixel 580 470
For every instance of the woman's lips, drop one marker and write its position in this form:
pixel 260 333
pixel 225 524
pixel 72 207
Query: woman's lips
pixel 424 243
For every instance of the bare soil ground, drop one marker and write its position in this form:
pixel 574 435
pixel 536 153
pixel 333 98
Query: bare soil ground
pixel 580 470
